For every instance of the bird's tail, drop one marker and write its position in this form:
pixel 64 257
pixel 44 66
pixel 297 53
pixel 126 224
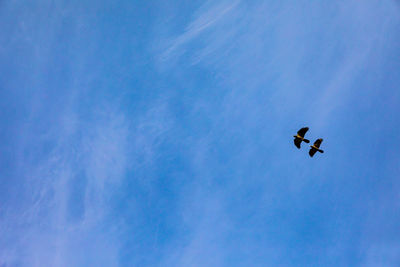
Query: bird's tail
pixel 320 150
pixel 306 140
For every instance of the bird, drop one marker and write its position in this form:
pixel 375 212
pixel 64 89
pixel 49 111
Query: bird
pixel 300 137
pixel 314 148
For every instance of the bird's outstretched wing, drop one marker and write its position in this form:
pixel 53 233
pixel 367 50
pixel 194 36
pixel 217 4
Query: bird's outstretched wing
pixel 297 142
pixel 312 152
pixel 318 142
pixel 302 131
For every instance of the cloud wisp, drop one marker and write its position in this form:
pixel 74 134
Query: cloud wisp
pixel 209 15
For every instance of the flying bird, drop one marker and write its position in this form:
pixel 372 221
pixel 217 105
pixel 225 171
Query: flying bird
pixel 300 137
pixel 314 148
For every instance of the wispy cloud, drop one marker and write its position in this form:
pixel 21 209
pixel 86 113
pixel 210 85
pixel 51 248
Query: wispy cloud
pixel 283 67
pixel 365 43
pixel 69 191
pixel 208 15
pixel 114 168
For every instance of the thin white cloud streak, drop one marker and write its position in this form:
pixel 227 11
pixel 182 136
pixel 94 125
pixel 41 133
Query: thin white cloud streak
pixel 203 20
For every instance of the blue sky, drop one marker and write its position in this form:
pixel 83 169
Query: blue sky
pixel 159 133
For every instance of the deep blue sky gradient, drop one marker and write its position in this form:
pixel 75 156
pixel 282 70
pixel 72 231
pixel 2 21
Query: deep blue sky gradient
pixel 159 133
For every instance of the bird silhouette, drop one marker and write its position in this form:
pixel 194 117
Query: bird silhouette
pixel 300 137
pixel 314 148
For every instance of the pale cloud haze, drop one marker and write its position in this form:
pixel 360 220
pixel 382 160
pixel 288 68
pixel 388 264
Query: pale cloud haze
pixel 138 133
